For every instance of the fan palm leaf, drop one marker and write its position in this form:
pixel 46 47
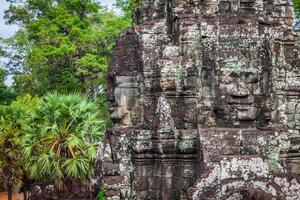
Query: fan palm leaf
pixel 62 139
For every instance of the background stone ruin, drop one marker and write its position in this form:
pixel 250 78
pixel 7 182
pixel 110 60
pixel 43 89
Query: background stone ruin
pixel 205 97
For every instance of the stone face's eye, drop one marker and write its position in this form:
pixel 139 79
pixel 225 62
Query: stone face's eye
pixel 249 77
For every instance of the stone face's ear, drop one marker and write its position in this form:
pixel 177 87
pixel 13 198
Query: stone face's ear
pixel 125 99
pixel 111 84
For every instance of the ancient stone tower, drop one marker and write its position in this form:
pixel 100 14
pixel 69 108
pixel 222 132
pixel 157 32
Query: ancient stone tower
pixel 205 97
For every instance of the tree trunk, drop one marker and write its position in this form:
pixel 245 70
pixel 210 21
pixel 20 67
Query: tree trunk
pixel 9 191
pixel 25 195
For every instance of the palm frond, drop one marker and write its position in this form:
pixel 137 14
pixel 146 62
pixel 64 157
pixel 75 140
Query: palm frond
pixel 62 140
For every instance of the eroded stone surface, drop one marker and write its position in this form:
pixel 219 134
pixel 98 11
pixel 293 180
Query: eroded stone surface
pixel 205 97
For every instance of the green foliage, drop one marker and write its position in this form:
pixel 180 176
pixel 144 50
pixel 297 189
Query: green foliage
pixel 64 45
pixel 24 83
pixel 2 52
pixel 57 135
pixel 10 145
pixel 13 119
pixel 101 194
pixel 26 102
pixel 129 7
pixel 6 93
pixel 297 8
pixel 61 142
pixel 103 108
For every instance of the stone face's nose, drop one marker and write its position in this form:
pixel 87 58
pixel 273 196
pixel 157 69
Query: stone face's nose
pixel 238 89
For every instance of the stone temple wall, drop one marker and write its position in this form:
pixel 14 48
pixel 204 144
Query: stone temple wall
pixel 205 99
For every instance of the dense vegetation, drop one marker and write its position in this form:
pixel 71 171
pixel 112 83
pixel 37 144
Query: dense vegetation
pixel 62 46
pixel 6 94
pixel 128 7
pixel 61 142
pixel 13 120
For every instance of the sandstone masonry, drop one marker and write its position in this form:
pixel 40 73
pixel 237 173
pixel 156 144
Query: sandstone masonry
pixel 205 97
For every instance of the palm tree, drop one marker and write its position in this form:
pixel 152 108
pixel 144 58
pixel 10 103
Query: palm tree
pixel 61 143
pixel 11 162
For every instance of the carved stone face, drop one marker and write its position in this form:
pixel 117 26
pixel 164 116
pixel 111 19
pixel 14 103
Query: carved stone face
pixel 124 99
pixel 242 89
pixel 236 99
